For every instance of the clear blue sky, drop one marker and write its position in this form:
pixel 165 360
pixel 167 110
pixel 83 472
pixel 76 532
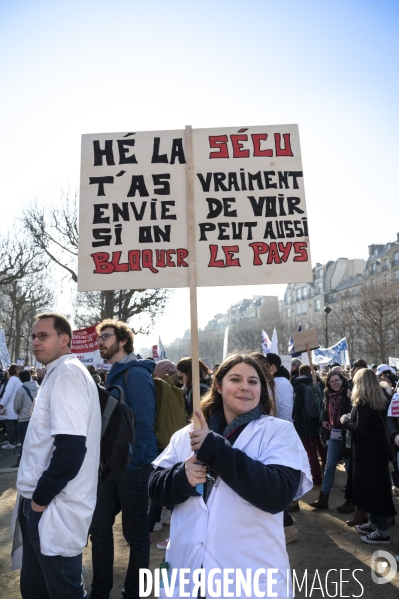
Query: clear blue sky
pixel 69 68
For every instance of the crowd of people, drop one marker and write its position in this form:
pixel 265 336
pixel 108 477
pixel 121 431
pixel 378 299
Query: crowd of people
pixel 264 437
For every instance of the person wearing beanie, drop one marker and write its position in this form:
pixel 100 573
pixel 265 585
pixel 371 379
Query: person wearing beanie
pixel 163 368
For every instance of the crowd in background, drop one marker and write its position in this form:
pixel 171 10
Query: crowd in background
pixel 348 425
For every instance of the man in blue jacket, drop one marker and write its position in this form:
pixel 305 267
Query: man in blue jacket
pixel 128 494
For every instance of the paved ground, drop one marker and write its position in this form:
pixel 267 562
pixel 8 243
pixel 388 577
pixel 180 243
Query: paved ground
pixel 8 457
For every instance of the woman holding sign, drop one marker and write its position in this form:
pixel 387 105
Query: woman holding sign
pixel 252 466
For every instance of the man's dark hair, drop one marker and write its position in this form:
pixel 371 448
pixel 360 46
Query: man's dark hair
pixel 24 376
pixel 122 332
pixel 305 370
pixel 273 359
pixel 12 371
pixel 61 324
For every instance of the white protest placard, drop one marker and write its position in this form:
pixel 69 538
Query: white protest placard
pixel 250 221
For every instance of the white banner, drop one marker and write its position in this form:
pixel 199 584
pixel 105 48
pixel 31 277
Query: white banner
pixel 250 211
pixel 336 353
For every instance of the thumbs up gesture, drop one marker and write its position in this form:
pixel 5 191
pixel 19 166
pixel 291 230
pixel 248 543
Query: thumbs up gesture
pixel 197 435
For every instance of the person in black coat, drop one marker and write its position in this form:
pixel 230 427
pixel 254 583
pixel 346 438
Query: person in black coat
pixel 308 428
pixel 369 482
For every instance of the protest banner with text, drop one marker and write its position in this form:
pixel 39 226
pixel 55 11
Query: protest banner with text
pixel 250 219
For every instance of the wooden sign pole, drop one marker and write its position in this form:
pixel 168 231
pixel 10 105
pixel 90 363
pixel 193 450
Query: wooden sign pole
pixel 192 272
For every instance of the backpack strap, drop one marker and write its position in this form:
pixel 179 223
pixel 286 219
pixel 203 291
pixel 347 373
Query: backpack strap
pixel 25 388
pixel 110 407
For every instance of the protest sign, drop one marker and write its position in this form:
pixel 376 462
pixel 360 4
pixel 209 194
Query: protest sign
pixel 393 409
pixel 247 195
pixel 85 348
pixel 197 208
pixel 305 340
pixel 4 355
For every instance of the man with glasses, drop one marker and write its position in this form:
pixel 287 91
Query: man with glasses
pixel 128 494
pixel 58 473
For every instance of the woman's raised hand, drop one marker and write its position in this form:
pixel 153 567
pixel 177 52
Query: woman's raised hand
pixel 198 435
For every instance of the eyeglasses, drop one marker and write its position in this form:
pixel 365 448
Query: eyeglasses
pixel 42 336
pixel 104 337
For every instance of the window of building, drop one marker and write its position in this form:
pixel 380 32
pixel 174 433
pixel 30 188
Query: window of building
pixel 298 294
pixel 373 268
pixel 298 309
pixel 396 274
pixel 288 312
pixel 321 273
pixel 304 308
pixel 396 258
pixel 386 263
pixel 317 305
pixel 304 293
pixel 320 285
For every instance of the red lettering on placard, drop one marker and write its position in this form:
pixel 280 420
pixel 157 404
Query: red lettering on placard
pixel 273 256
pixel 219 142
pixel 124 267
pixel 134 259
pixel 138 259
pixel 285 249
pixel 103 266
pixel 282 145
pixel 169 261
pixel 146 260
pixel 181 255
pixel 160 261
pixel 229 251
pixel 259 249
pixel 301 252
pixel 286 151
pixel 256 139
pixel 213 262
pixel 238 148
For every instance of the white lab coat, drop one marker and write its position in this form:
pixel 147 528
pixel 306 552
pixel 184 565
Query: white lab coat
pixel 229 532
pixel 284 398
pixel 8 398
pixel 67 403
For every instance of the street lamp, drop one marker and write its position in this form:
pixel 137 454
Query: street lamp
pixel 327 311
